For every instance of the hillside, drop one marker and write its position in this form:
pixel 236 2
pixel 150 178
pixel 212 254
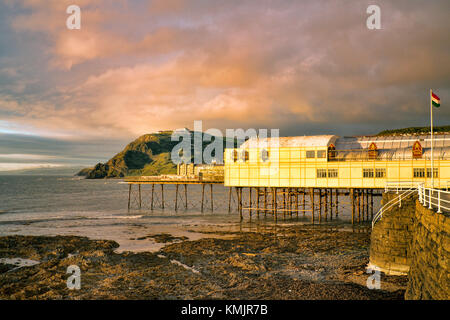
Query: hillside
pixel 147 155
pixel 414 130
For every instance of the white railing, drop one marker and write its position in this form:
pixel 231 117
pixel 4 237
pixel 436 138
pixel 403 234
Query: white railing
pixel 433 198
pixel 393 202
pixel 401 186
pixel 447 184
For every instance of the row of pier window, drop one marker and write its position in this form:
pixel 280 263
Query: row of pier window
pixel 378 173
pixel 264 155
pixel 367 173
pixel 244 155
pixel 420 172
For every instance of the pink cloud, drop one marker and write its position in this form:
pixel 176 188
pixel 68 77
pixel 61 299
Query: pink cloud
pixel 232 63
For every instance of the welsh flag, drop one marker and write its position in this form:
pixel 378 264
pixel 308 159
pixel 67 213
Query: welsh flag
pixel 435 100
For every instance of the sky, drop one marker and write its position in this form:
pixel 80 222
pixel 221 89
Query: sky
pixel 77 97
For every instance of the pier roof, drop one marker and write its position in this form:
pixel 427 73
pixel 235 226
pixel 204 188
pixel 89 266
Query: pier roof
pixel 392 142
pixel 300 141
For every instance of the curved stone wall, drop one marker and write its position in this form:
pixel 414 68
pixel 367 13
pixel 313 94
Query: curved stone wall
pixel 429 276
pixel 414 240
pixel 391 237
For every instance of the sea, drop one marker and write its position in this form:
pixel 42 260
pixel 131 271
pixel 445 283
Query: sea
pixel 98 209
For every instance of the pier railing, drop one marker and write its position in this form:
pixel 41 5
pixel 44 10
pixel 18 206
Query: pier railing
pixel 405 193
pixel 398 186
pixel 429 197
pixel 434 198
pixel 175 179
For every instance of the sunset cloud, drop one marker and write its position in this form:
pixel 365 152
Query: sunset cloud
pixel 140 66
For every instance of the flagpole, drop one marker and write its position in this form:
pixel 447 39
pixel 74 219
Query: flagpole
pixel 432 162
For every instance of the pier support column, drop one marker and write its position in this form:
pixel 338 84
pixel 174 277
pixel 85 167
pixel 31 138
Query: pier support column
pixel 239 202
pixel 367 204
pixel 371 204
pixel 361 195
pixel 320 205
pixel 359 205
pixel 257 201
pixel 304 202
pixel 311 194
pixel 185 197
pixel 129 196
pixel 176 197
pixel 337 203
pixel 229 198
pixel 212 199
pixel 140 197
pixel 153 193
pixel 331 204
pixel 352 196
pixel 203 197
pixel 265 201
pixel 250 203
pixel 288 202
pixel 363 209
pixel 274 200
pixel 162 196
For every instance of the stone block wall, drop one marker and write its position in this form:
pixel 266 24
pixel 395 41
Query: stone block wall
pixel 429 275
pixel 391 237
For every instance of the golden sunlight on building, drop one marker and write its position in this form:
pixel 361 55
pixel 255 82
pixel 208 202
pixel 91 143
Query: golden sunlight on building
pixel 329 161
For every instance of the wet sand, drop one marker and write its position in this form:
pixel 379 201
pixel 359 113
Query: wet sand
pixel 279 262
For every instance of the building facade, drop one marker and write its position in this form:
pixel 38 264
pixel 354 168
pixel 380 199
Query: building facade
pixel 330 161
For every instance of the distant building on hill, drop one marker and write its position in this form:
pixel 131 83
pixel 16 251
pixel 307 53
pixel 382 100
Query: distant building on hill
pixel 201 171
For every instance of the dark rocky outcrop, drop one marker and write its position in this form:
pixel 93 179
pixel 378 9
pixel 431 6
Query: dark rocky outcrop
pixel 149 154
pixel 292 262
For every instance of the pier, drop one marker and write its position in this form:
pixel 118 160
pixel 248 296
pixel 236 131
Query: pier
pixel 157 183
pixel 320 204
pixel 315 177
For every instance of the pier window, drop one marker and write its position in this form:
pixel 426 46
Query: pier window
pixel 380 173
pixel 321 154
pixel 235 156
pixel 435 173
pixel 310 154
pixel 331 152
pixel 419 173
pixel 264 155
pixel 244 155
pixel 367 173
pixel 332 173
pixel 321 173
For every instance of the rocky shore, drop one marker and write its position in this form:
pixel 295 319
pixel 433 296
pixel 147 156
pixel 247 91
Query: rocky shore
pixel 283 262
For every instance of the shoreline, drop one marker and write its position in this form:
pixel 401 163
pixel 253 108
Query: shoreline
pixel 288 262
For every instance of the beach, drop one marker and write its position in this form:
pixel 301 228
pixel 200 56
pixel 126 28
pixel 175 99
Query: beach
pixel 277 262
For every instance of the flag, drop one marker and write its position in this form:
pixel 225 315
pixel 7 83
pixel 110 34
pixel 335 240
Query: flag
pixel 436 102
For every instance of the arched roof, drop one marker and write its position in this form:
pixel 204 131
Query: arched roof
pixel 392 142
pixel 301 141
pixel 389 147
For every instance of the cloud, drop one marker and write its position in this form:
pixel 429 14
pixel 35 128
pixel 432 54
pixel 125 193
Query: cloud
pixel 138 67
pixel 26 156
pixel 17 148
pixel 24 166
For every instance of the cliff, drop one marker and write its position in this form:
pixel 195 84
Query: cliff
pixel 147 155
